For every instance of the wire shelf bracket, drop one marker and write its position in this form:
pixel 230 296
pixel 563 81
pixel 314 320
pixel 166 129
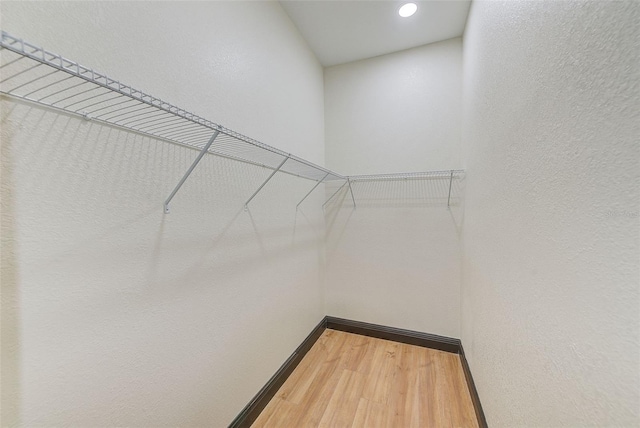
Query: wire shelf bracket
pixel 450 183
pixel 310 191
pixel 197 160
pixel 351 190
pixel 246 204
pixel 334 193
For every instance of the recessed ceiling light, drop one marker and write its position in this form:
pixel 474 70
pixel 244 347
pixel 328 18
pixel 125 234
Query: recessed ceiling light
pixel 407 10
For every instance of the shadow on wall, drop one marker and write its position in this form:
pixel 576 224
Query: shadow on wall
pixel 136 174
pixel 10 305
pixel 334 214
pixel 85 203
pixel 383 202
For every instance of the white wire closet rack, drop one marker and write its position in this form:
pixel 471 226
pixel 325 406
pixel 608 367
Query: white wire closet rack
pixel 33 74
pixel 427 175
pixel 448 175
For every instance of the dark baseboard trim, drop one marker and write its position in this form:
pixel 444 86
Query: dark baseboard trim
pixel 252 410
pixel 410 337
pixel 475 398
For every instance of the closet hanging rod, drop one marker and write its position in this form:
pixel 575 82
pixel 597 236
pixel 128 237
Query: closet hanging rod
pixel 36 75
pixel 407 175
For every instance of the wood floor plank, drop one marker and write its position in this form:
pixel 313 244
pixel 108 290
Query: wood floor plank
pixel 361 414
pixel 429 410
pixel 441 392
pixel 349 380
pixel 377 415
pixel 378 359
pixel 377 387
pixel 281 414
pixel 399 387
pixel 342 407
pixel 464 415
pixel 412 400
pixel 298 384
pixel 354 357
pixel 322 388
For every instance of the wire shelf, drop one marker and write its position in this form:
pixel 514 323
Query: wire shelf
pixel 34 74
pixel 442 180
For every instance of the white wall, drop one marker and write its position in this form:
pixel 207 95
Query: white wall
pixel 551 308
pixel 395 113
pixel 395 259
pixel 114 314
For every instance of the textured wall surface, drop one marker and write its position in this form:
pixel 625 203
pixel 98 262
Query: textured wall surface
pixel 114 314
pixel 395 259
pixel 551 225
pixel 395 113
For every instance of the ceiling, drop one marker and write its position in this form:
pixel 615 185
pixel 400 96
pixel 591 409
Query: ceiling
pixel 345 31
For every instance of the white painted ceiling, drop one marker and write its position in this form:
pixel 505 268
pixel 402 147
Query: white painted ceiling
pixel 345 31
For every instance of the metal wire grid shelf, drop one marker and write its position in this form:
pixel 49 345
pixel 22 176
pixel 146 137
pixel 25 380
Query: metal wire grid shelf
pixel 37 75
pixel 447 175
pixel 31 73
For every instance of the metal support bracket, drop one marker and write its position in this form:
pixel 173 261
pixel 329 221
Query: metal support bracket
pixel 351 190
pixel 334 193
pixel 204 150
pixel 246 204
pixel 312 189
pixel 450 183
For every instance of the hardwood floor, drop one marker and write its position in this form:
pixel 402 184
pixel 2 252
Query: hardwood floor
pixel 349 380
